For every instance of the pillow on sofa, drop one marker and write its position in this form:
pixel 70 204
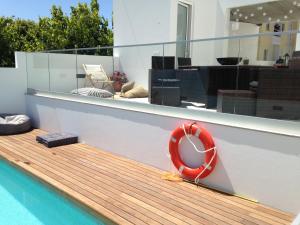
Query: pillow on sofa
pixel 95 92
pixel 137 92
pixel 127 86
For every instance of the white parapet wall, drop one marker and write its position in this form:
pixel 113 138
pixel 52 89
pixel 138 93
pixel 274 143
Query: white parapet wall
pixel 13 84
pixel 47 72
pixel 255 164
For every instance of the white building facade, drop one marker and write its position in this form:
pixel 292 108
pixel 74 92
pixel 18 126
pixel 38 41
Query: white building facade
pixel 142 22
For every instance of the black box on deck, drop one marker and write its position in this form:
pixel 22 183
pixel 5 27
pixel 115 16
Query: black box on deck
pixel 57 139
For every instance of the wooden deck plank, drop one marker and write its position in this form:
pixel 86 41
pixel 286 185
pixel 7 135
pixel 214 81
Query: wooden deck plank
pixel 86 184
pixel 129 192
pixel 229 198
pixel 209 211
pixel 70 179
pixel 64 189
pixel 73 149
pixel 207 201
pixel 102 180
pixel 169 199
pixel 157 174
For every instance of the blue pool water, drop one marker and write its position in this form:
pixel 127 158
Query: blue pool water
pixel 26 201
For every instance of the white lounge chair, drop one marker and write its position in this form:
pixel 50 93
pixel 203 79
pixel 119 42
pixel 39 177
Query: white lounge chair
pixel 96 77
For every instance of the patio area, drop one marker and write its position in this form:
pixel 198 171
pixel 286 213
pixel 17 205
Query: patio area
pixel 128 192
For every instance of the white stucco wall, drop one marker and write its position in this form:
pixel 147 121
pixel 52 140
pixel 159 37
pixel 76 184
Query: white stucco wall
pixel 246 47
pixel 254 164
pixel 204 25
pixel 143 21
pixel 140 22
pixel 298 43
pixel 13 84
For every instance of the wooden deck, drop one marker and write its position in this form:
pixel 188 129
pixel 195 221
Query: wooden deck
pixel 128 192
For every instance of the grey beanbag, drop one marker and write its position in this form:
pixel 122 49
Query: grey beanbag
pixel 14 124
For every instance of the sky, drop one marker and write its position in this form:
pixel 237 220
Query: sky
pixel 32 9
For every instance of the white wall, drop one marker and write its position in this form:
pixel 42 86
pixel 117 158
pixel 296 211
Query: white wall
pixel 254 164
pixel 57 72
pixel 212 19
pixel 13 86
pixel 140 22
pixel 298 42
pixel 204 25
pixel 247 47
pixel 143 21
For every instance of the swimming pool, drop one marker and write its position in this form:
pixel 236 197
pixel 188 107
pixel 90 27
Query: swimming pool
pixel 26 201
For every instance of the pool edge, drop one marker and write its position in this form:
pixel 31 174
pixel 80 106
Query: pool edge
pixel 26 168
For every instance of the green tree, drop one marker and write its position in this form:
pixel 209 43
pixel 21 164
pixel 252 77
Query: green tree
pixel 53 30
pixel 17 35
pixel 5 52
pixel 87 28
pixel 83 28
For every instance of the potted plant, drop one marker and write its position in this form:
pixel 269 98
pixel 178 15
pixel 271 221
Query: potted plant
pixel 119 79
pixel 246 61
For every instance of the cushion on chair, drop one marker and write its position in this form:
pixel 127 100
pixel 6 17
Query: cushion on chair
pixel 127 86
pixel 94 92
pixel 137 92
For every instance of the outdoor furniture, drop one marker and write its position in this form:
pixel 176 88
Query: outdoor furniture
pixel 57 139
pixel 14 124
pixel 96 77
pixel 201 83
pixel 163 62
pixel 169 96
pixel 278 94
pixel 242 102
pixel 166 92
pixel 184 62
pixel 294 62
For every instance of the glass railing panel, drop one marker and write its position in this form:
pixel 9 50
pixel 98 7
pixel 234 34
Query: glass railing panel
pixel 197 75
pixel 138 65
pixel 164 85
pixel 235 97
pixel 222 75
pixel 62 70
pixel 267 80
pixel 38 75
pixel 94 67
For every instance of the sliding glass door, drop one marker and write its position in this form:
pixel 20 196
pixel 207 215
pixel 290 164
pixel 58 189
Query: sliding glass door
pixel 183 30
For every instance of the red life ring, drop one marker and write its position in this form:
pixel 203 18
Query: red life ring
pixel 210 159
